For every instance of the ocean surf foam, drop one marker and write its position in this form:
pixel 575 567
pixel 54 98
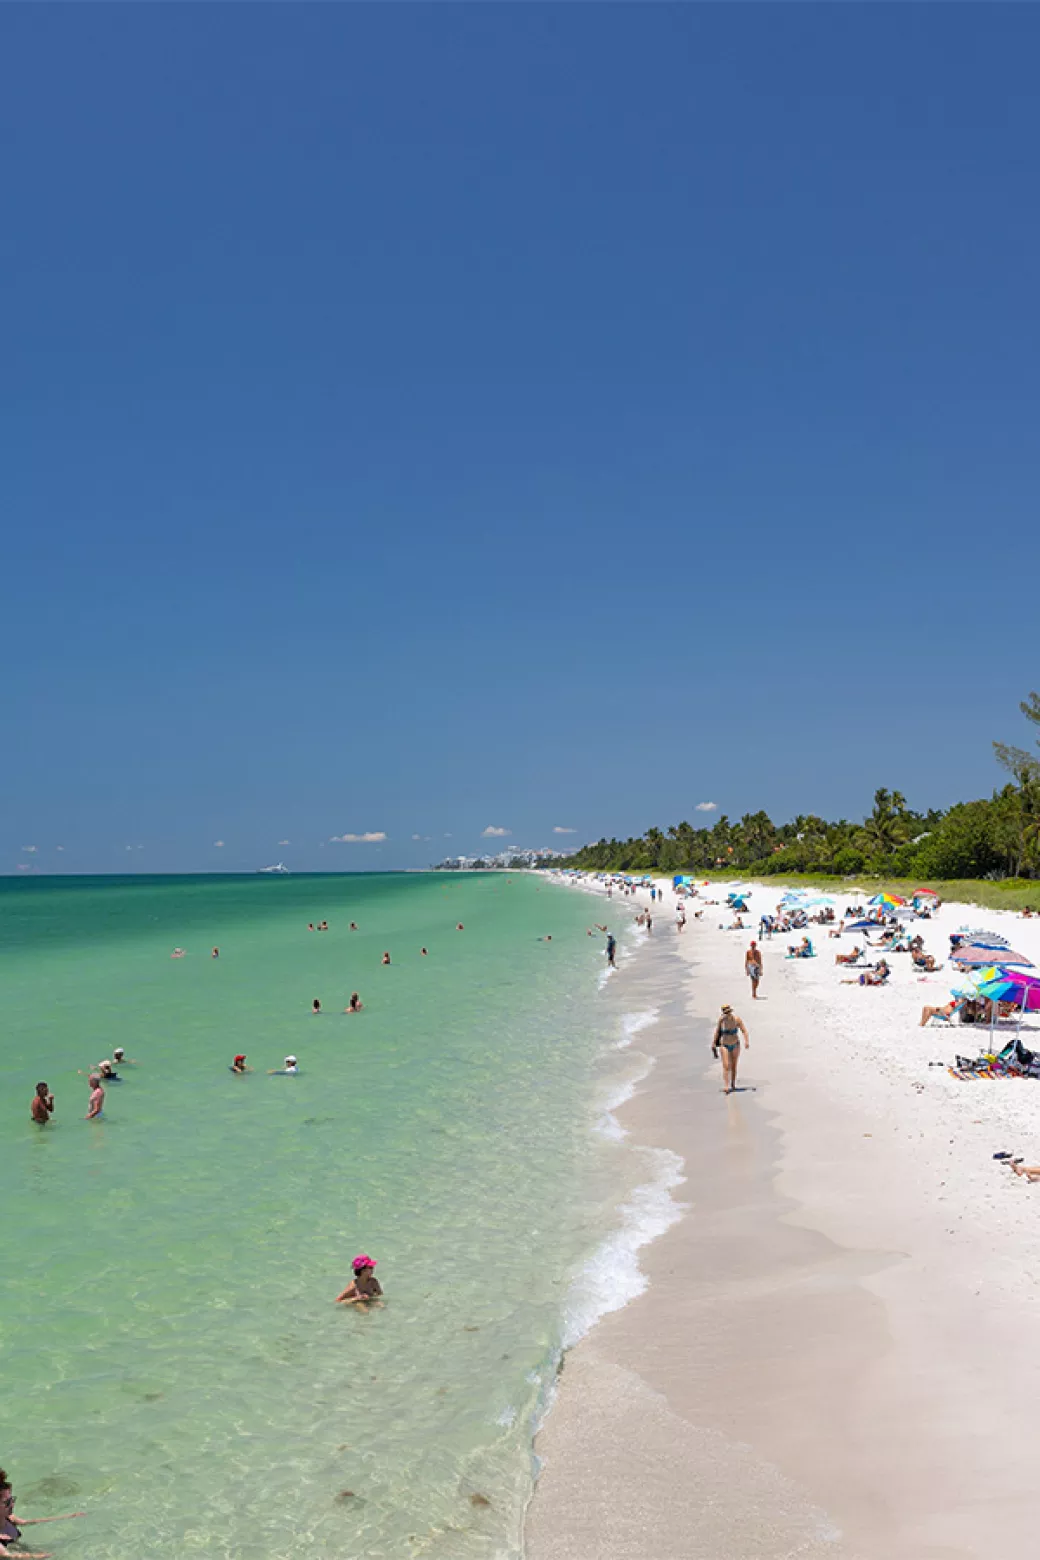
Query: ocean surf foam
pixel 612 1276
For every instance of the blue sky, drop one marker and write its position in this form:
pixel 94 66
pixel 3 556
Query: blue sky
pixel 421 419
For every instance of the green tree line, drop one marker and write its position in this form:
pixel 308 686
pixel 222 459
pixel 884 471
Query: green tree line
pixel 994 837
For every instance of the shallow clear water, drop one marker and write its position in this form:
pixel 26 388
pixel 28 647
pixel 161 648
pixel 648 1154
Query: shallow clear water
pixel 173 1360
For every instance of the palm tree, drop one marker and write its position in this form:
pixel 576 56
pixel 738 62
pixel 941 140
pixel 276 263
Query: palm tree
pixel 885 829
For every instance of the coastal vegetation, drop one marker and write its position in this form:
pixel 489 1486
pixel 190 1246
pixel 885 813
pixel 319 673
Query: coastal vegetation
pixel 994 839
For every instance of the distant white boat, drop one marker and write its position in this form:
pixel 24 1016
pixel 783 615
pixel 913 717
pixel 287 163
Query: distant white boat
pixel 280 868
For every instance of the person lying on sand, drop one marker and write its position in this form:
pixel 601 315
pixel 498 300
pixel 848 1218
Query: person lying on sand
pixel 364 1287
pixel 926 962
pixel 849 958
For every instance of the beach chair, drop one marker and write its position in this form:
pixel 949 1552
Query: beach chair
pixel 945 1019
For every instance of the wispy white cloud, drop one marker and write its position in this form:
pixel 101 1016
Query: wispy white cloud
pixel 557 829
pixel 372 837
pixel 447 836
pixel 59 847
pixel 285 842
pixel 707 806
pixel 30 850
pixel 491 832
pixel 218 844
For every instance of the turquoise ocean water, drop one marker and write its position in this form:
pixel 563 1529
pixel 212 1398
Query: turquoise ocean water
pixel 172 1358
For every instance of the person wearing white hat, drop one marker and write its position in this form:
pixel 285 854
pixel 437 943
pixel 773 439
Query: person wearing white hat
pixel 290 1069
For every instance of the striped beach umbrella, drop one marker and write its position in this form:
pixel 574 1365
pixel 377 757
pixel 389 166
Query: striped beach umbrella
pixel 890 901
pixel 982 958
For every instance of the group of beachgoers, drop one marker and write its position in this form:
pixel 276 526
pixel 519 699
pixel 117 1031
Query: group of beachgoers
pixel 41 1106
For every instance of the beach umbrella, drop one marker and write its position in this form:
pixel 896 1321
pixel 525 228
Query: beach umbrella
pixel 997 975
pixel 889 900
pixel 818 899
pixel 1000 985
pixel 924 893
pixel 980 958
pixel 986 940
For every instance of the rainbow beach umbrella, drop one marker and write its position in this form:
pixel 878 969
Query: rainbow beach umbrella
pixel 890 901
pixel 1000 985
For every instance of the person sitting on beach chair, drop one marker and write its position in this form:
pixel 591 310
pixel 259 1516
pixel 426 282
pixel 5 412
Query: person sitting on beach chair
pixel 875 977
pixel 926 962
pixel 943 1014
pixel 849 958
pixel 802 950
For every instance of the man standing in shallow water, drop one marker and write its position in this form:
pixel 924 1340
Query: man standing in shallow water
pixel 42 1108
pixel 97 1097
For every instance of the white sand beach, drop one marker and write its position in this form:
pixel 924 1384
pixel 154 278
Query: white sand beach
pixel 837 1353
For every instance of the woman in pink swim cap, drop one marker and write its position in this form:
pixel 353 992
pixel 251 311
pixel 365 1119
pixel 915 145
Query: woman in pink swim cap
pixel 364 1286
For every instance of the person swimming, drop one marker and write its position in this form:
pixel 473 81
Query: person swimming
pixel 11 1526
pixel 355 1004
pixel 178 953
pixel 215 954
pixel 290 1069
pixel 386 958
pixel 364 1286
pixel 239 1064
pixel 353 926
pixel 424 953
pixel 96 1103
pixel 459 926
pixel 316 1005
pixel 105 1069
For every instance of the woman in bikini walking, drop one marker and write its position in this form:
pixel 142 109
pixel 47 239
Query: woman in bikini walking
pixel 728 1031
